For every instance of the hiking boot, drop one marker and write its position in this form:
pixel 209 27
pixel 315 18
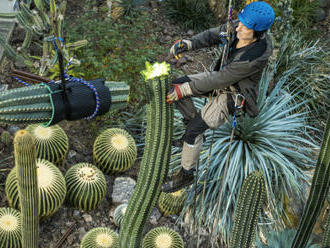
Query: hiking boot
pixel 182 179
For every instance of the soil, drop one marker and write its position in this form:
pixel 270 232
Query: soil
pixel 81 138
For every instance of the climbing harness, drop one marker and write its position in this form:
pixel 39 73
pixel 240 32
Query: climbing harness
pixel 67 94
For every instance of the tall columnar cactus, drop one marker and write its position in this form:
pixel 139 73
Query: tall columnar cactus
pixel 25 162
pixel 162 237
pixel 51 188
pixel 326 234
pixel 171 203
pixel 10 228
pixel 318 192
pixel 100 237
pixel 114 150
pixel 86 186
pixel 251 198
pixel 52 143
pixel 33 104
pixel 154 165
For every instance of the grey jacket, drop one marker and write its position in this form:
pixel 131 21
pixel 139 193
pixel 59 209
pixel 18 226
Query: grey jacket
pixel 242 70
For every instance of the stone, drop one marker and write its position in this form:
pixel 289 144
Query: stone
pixel 70 239
pixel 71 154
pixel 76 213
pixel 190 32
pixel 122 189
pixel 81 232
pixel 189 58
pixel 87 217
pixel 320 14
pixel 155 216
pixel 13 129
pixel 168 38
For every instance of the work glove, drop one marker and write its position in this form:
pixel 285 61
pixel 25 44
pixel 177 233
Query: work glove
pixel 179 47
pixel 178 91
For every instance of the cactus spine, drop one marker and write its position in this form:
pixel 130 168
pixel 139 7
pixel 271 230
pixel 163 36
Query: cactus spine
pixel 114 150
pixel 162 237
pixel 10 228
pixel 318 192
pixel 25 162
pixel 155 159
pixel 32 104
pixel 251 198
pixel 52 143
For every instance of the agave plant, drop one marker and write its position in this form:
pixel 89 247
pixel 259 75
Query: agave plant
pixel 271 143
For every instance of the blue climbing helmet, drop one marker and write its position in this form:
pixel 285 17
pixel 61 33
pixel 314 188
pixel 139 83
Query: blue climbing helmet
pixel 258 16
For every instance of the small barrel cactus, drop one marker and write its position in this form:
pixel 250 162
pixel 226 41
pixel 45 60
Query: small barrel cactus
pixel 171 203
pixel 119 214
pixel 10 228
pixel 251 198
pixel 162 237
pixel 51 188
pixel 6 138
pixel 100 237
pixel 51 142
pixel 25 162
pixel 86 186
pixel 114 150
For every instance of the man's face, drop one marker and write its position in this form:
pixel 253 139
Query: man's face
pixel 244 33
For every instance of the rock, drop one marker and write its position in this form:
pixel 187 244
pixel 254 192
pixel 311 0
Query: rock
pixel 70 239
pixel 87 217
pixel 13 129
pixel 122 189
pixel 181 61
pixel 320 14
pixel 71 154
pixel 3 87
pixel 81 232
pixel 76 213
pixel 189 58
pixel 167 38
pixel 155 216
pixel 190 32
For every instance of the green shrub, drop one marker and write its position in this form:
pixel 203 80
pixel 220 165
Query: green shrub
pixel 191 14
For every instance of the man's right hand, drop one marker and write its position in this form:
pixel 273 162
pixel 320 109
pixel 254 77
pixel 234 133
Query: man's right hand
pixel 179 47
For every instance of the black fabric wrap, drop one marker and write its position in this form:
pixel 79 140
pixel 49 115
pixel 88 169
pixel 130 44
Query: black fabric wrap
pixel 79 100
pixel 195 127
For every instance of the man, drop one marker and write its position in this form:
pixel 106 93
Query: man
pixel 249 50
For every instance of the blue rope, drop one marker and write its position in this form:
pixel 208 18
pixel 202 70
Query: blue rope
pixel 21 81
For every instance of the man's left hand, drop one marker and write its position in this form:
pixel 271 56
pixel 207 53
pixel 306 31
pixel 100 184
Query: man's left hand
pixel 178 92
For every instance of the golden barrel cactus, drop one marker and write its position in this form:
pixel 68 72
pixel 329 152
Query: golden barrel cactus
pixel 162 237
pixel 171 203
pixel 114 150
pixel 119 214
pixel 10 228
pixel 100 237
pixel 51 188
pixel 86 186
pixel 51 142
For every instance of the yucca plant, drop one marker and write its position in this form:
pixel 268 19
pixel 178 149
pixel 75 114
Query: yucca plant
pixel 100 237
pixel 10 228
pixel 162 237
pixel 261 143
pixel 25 162
pixel 191 14
pixel 154 164
pixel 114 150
pixel 250 200
pixel 318 192
pixel 280 239
pixel 51 188
pixel 119 214
pixel 171 203
pixel 86 186
pixel 52 143
pixel 33 104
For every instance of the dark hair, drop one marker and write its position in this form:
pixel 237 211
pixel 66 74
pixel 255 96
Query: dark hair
pixel 258 34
